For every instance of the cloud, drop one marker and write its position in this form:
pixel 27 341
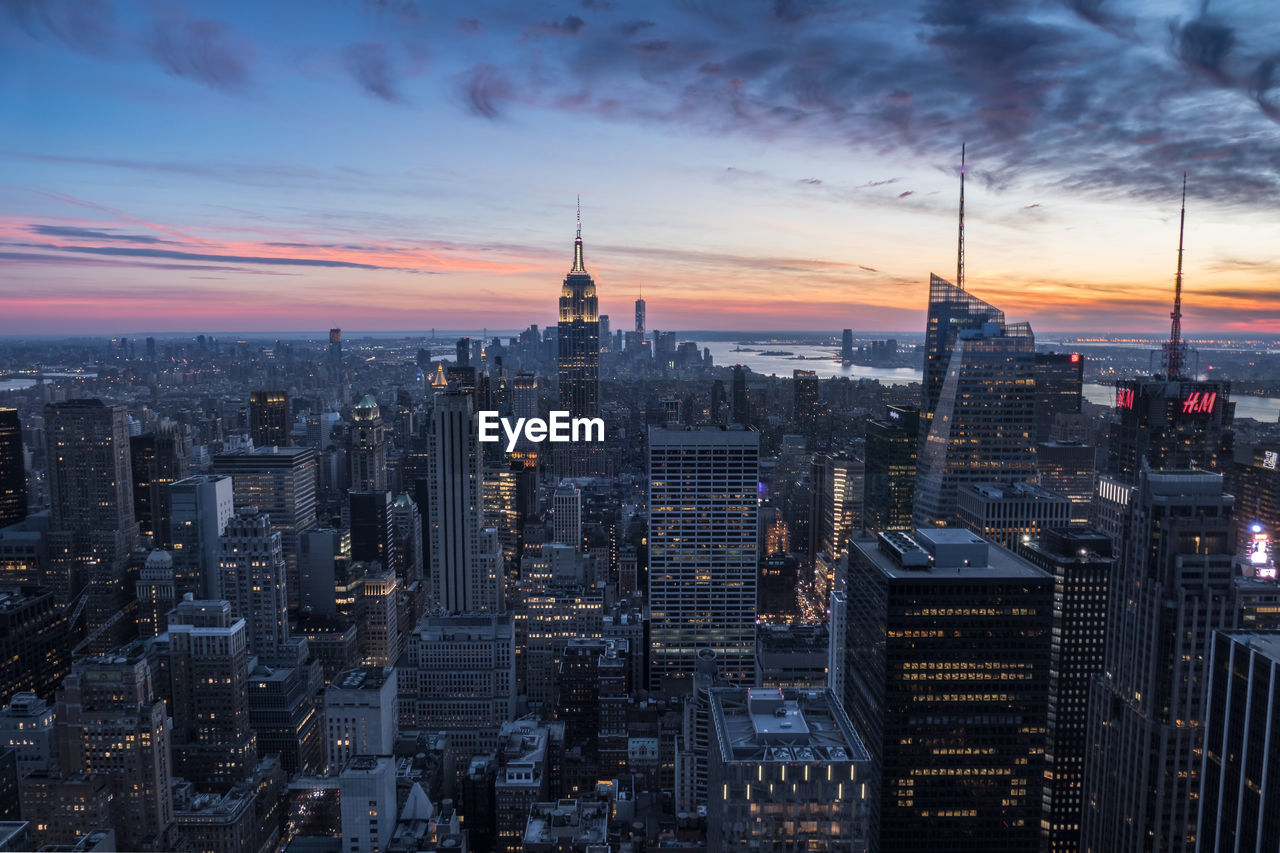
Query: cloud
pixel 1073 93
pixel 201 50
pixel 486 90
pixel 84 25
pixel 92 234
pixel 173 254
pixel 370 65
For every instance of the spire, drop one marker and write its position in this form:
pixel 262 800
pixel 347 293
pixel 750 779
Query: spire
pixel 960 245
pixel 1174 350
pixel 578 265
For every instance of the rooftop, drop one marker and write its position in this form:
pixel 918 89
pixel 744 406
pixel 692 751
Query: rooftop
pixel 772 724
pixel 943 553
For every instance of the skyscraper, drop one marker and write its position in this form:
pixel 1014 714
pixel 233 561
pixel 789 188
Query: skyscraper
pixel 1171 421
pixel 890 470
pixel 952 309
pixel 335 349
pixel 269 423
pixel 786 772
pixel 578 365
pixel 253 579
pixel 281 482
pixel 640 316
pixel 1059 385
pixel 90 483
pixel 110 722
pixel 846 346
pixel 1171 589
pixel 199 509
pixel 368 451
pixel 740 405
pixel 459 577
pixel 1241 762
pixel 566 515
pixel 982 426
pixel 946 676
pixel 805 402
pixel 213 745
pixel 373 537
pixel 13 470
pixel 1080 562
pixel 703 486
pixel 158 459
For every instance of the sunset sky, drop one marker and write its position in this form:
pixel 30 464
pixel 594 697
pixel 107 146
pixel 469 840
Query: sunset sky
pixel 259 166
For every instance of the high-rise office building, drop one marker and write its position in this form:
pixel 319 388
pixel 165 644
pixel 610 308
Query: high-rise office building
pixel 952 309
pixel 280 481
pixel 199 508
pixel 35 645
pixel 156 592
pixel 703 487
pixel 460 580
pixel 983 422
pixel 373 536
pixel 1012 513
pixel 367 453
pixel 578 362
pixel 578 339
pixel 946 678
pixel 158 459
pixel 1170 424
pixel 566 515
pixel 889 479
pixel 841 515
pixel 335 349
pixel 524 395
pixel 1080 562
pixel 13 469
pixel 1241 761
pixel 1254 479
pixel 269 421
pixel 27 727
pixel 1172 587
pixel 1059 389
pixel 1067 467
pixel 252 571
pixel 213 745
pixel 360 713
pixel 846 346
pixel 90 482
pixel 379 618
pixel 286 709
pixel 110 722
pixel 460 677
pixel 406 527
pixel 367 793
pixel 805 402
pixel 640 306
pixel 786 772
pixel 740 404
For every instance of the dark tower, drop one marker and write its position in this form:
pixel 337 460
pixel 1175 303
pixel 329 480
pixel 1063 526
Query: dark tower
pixel 269 418
pixel 579 339
pixel 13 470
pixel 741 411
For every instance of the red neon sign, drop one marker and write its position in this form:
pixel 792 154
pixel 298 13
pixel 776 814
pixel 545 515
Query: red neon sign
pixel 1199 402
pixel 1124 398
pixel 1075 356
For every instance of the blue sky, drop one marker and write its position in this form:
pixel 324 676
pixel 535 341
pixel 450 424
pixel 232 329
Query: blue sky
pixel 391 165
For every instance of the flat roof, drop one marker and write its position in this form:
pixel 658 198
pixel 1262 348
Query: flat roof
pixel 1002 564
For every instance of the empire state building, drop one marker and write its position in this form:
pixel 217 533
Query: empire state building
pixel 579 353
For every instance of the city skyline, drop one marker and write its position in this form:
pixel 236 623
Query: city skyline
pixel 388 166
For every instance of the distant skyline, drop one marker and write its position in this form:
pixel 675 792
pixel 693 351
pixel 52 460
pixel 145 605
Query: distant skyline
pixel 783 165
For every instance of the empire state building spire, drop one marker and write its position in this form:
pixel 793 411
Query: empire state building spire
pixel 578 265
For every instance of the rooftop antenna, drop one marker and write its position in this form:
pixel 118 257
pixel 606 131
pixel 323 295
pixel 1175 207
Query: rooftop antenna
pixel 1174 355
pixel 960 246
pixel 578 265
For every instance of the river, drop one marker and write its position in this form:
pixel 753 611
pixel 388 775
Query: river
pixel 822 361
